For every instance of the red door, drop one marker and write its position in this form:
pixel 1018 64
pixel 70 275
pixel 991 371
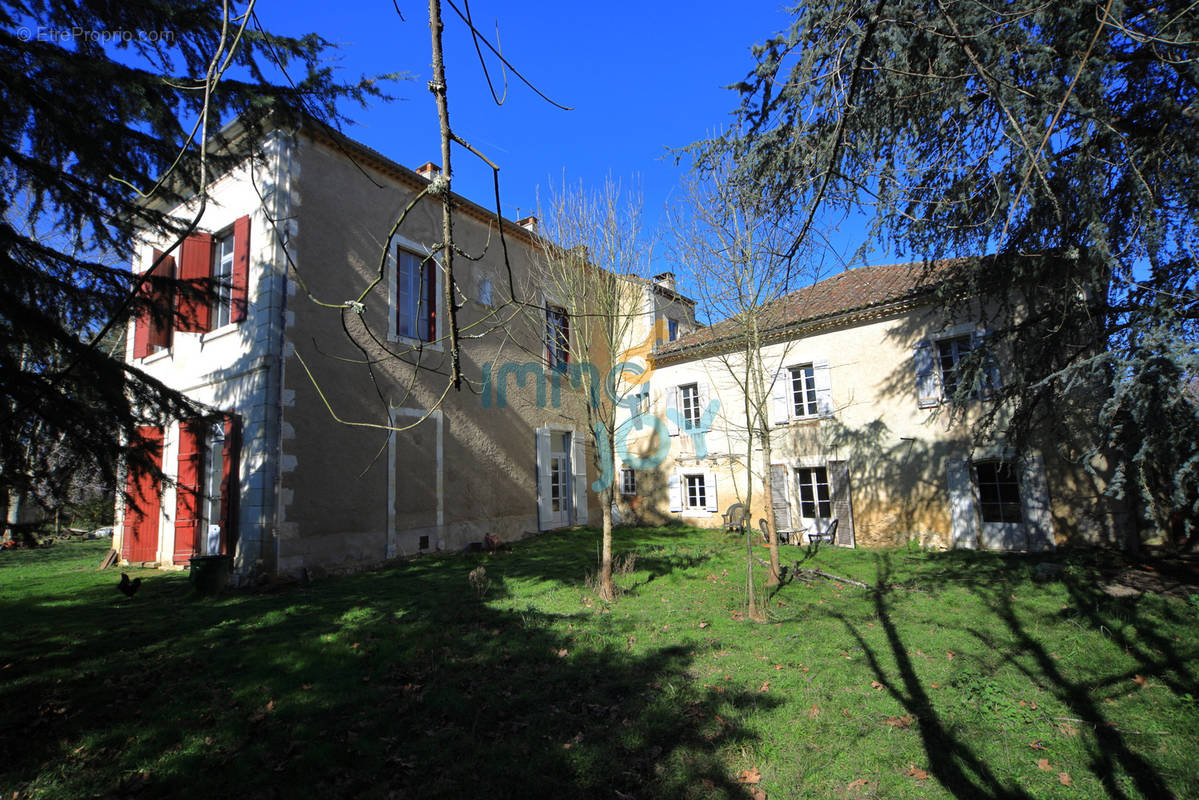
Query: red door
pixel 143 506
pixel 188 495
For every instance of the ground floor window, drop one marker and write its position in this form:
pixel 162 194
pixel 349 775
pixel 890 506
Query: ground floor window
pixel 697 492
pixel 814 497
pixel 998 491
pixel 628 481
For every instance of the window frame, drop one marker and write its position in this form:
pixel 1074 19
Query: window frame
pixel 628 481
pixel 690 412
pixel 699 481
pixel 809 402
pixel 222 280
pixel 427 283
pixel 812 488
pixel 557 337
pixel 998 491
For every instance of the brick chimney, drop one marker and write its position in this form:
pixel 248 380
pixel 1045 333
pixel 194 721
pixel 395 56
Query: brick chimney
pixel 665 280
pixel 428 170
pixel 529 223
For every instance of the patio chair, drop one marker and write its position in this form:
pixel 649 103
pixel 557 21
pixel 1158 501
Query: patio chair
pixel 828 535
pixel 736 518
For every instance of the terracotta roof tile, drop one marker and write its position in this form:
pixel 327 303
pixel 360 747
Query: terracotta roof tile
pixel 856 289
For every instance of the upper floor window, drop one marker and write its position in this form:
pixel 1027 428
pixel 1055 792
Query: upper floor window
pixel 949 353
pixel 211 290
pixel 416 301
pixel 939 368
pixel 672 328
pixel 222 276
pixel 803 391
pixel 557 337
pixel 689 405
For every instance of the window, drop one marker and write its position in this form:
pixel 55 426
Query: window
pixel 998 491
pixel 697 492
pixel 949 353
pixel 814 502
pixel 689 400
pixel 222 277
pixel 803 391
pixel 557 337
pixel 416 301
pixel 485 291
pixel 672 328
pixel 628 481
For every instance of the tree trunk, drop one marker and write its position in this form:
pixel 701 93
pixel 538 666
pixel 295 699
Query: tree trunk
pixel 607 591
pixel 768 504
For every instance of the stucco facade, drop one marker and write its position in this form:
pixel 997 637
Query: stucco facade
pixel 353 446
pixel 859 415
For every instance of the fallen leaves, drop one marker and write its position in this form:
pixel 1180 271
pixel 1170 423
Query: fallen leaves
pixel 878 687
pixel 765 687
pixel 751 775
pixel 1139 680
pixel 916 772
pixel 949 654
pixel 903 722
pixel 1043 765
pixel 1064 779
pixel 1037 745
pixel 860 783
pixel 814 711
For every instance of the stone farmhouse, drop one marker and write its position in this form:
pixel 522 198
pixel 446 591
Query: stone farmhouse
pixel 334 441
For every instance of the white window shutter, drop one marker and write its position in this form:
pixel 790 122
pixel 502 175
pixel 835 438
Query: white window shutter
pixel 927 394
pixel 780 397
pixel 779 503
pixel 1034 497
pixel 578 466
pixel 543 479
pixel 824 388
pixel 676 493
pixel 963 512
pixel 672 405
pixel 710 492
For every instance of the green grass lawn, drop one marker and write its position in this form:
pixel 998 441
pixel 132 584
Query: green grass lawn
pixel 954 680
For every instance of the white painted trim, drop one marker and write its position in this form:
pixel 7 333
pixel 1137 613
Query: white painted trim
pixel 392 293
pixel 391 547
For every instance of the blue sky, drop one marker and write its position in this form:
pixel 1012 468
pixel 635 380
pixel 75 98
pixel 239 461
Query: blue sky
pixel 642 78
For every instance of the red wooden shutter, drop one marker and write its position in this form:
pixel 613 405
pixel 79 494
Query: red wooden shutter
pixel 152 325
pixel 188 512
pixel 230 486
pixel 161 297
pixel 431 295
pixel 143 500
pixel 195 267
pixel 241 268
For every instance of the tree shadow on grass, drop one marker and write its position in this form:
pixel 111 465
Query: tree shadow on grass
pixel 397 683
pixel 951 761
pixel 1110 751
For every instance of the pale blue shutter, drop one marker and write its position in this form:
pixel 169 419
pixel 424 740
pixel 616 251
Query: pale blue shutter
pixel 927 395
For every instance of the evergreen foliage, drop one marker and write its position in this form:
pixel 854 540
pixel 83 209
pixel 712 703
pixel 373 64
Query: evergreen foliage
pixel 106 106
pixel 1060 139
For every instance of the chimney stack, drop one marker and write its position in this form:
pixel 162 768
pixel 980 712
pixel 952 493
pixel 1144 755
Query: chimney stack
pixel 428 170
pixel 529 223
pixel 665 280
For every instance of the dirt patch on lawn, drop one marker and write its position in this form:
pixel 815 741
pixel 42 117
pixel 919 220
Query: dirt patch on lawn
pixel 1175 576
